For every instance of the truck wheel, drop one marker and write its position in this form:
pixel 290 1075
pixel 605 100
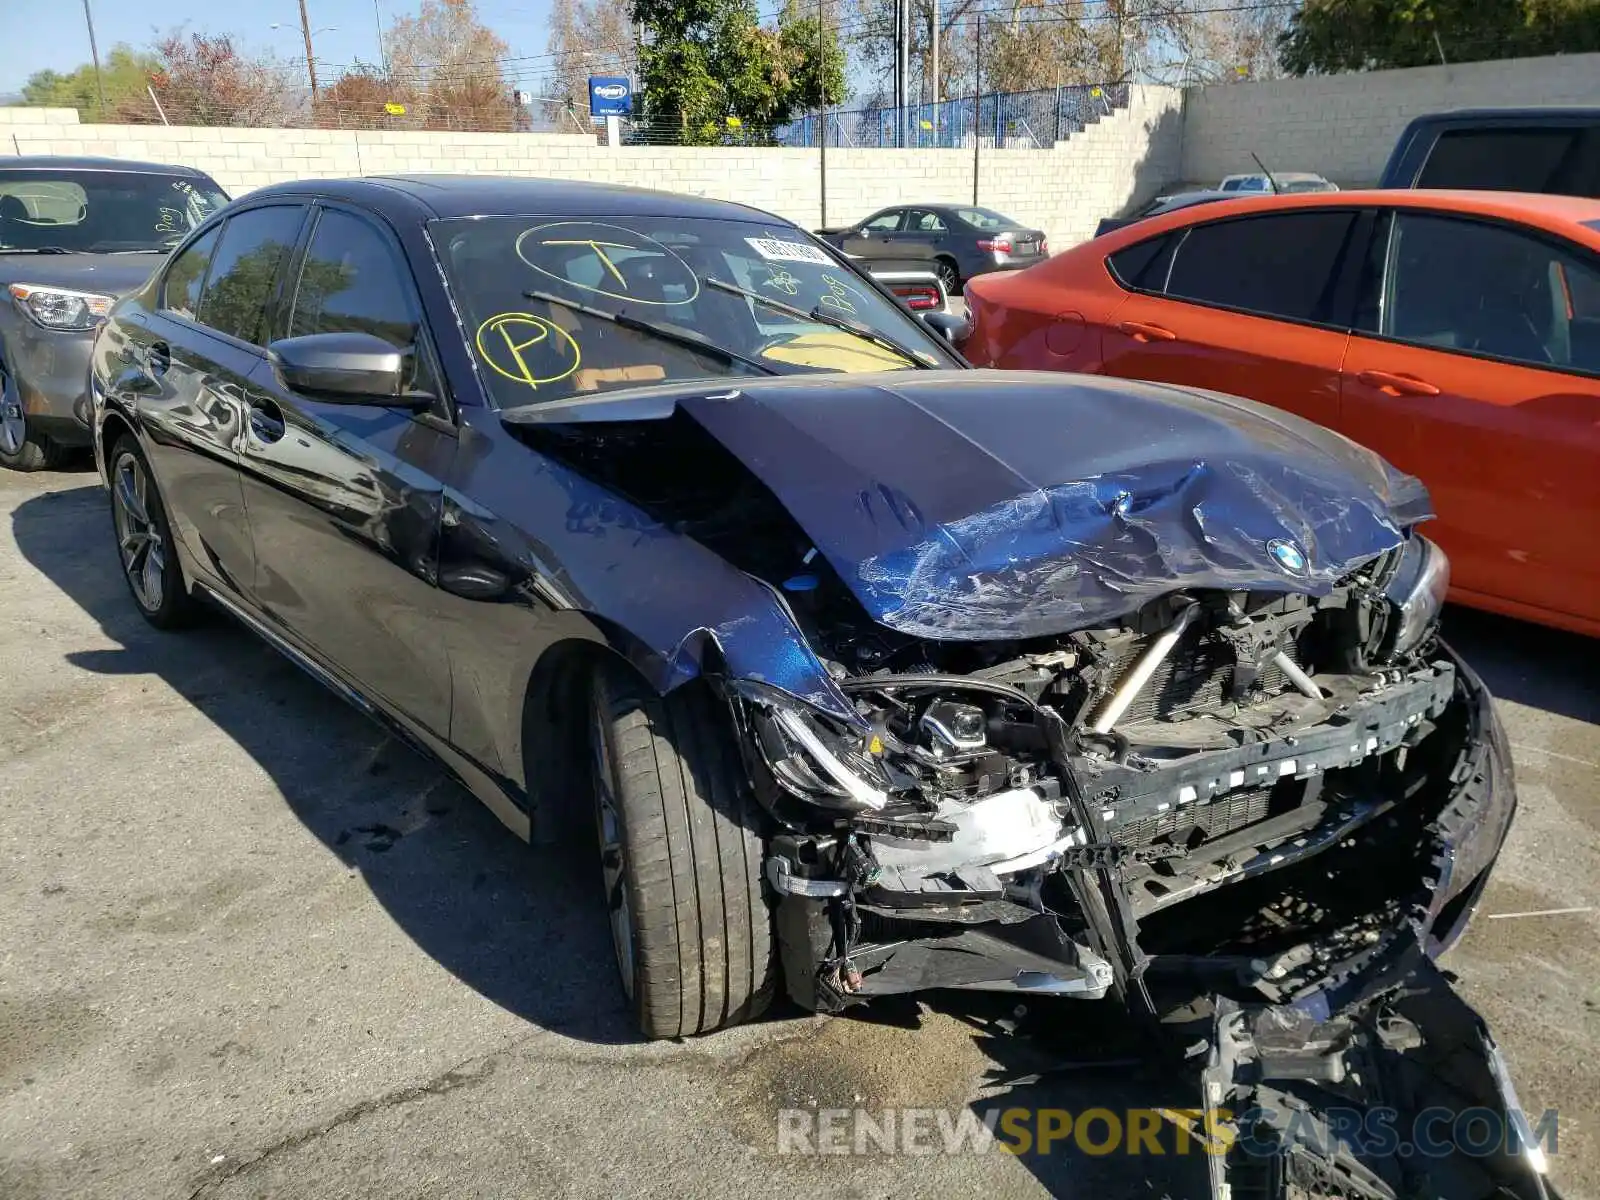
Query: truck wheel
pixel 681 853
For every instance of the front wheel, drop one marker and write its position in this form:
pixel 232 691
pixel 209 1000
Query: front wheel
pixel 680 857
pixel 21 448
pixel 144 540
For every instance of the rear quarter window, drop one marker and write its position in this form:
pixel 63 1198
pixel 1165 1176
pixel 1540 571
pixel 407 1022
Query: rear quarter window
pixel 1278 265
pixel 1560 160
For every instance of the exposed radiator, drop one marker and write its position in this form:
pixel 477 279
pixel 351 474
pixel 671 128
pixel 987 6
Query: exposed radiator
pixel 1195 677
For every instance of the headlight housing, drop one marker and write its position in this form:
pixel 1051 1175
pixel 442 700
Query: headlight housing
pixel 1416 591
pixel 815 759
pixel 61 308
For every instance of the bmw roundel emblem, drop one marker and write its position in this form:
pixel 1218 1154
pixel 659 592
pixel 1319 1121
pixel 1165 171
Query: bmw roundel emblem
pixel 1287 555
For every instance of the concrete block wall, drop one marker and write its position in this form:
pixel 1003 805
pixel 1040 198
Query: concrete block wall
pixel 1063 191
pixel 1344 126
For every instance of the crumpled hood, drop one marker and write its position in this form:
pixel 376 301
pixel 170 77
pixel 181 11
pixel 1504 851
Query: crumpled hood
pixel 1000 504
pixel 109 274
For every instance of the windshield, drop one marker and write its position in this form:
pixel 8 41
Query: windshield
pixel 91 211
pixel 556 307
pixel 986 218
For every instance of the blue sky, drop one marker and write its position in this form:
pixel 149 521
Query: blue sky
pixel 35 34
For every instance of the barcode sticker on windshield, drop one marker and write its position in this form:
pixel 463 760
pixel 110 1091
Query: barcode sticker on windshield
pixel 774 250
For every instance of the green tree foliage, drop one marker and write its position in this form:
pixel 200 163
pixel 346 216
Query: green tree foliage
pixel 706 61
pixel 1357 35
pixel 123 73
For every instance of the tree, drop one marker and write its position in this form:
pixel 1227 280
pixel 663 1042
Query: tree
pixel 1325 36
pixel 450 62
pixel 588 37
pixel 124 73
pixel 710 60
pixel 202 79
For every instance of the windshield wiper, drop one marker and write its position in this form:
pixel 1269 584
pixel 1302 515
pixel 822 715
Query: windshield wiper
pixel 38 250
pixel 666 333
pixel 822 317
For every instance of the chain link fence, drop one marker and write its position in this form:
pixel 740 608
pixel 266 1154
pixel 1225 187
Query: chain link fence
pixel 1010 120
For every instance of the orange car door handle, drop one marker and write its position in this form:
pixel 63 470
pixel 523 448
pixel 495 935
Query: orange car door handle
pixel 1397 385
pixel 1140 332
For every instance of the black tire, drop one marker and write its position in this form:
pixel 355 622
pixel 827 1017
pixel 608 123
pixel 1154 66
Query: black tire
pixel 145 544
pixel 949 276
pixel 695 950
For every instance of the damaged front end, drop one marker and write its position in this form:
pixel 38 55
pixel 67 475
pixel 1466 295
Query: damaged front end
pixel 1268 795
pixel 1110 689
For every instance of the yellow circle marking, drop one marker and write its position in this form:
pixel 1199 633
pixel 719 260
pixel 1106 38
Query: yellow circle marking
pixel 504 339
pixel 602 238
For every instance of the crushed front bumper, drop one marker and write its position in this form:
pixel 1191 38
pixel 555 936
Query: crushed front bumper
pixel 971 910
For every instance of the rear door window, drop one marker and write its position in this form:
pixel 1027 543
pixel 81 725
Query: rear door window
pixel 255 245
pixel 1561 160
pixel 1279 265
pixel 1481 288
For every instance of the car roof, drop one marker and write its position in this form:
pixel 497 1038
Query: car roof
pixel 492 195
pixel 1529 113
pixel 84 162
pixel 1567 214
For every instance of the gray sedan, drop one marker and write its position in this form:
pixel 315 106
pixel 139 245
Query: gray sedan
pixel 958 241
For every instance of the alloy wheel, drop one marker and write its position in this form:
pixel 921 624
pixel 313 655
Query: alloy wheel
pixel 608 822
pixel 13 421
pixel 139 537
pixel 948 277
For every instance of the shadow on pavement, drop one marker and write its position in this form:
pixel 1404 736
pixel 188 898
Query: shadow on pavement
pixel 1529 664
pixel 524 927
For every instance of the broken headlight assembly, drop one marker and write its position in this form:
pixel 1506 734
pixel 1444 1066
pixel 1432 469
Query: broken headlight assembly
pixel 817 758
pixel 1416 592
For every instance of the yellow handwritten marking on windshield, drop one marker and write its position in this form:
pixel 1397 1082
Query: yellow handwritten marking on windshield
pixel 837 295
pixel 506 339
pixel 599 249
pixel 538 247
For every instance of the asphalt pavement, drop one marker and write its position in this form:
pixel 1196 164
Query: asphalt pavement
pixel 253 947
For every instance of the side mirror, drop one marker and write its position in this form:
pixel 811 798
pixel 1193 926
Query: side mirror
pixel 350 368
pixel 952 328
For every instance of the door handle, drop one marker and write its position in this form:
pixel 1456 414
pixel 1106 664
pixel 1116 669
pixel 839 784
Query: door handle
pixel 1392 384
pixel 1139 331
pixel 266 421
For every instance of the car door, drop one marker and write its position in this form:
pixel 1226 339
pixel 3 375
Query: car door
pixel 196 358
pixel 1476 367
pixel 873 237
pixel 1255 305
pixel 345 498
pixel 924 235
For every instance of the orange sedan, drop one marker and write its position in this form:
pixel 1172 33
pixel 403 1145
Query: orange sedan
pixel 1455 333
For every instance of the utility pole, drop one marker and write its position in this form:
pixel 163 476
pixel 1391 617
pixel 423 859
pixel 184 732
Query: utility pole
pixel 977 100
pixel 311 62
pixel 822 107
pixel 934 93
pixel 905 65
pixel 94 53
pixel 377 15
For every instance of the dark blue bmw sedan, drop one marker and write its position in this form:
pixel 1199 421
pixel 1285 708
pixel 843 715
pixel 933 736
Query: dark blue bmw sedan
pixel 866 672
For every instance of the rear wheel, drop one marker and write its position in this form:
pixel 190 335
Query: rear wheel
pixel 21 448
pixel 144 540
pixel 949 277
pixel 680 856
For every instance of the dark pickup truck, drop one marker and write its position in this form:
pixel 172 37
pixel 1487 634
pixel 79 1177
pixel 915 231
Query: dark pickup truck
pixel 1548 149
